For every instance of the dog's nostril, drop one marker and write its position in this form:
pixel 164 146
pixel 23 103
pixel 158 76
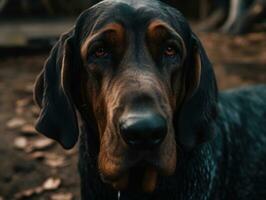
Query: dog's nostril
pixel 143 131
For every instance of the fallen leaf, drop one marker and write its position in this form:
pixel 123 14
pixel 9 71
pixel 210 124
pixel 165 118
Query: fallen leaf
pixel 21 143
pixel 55 160
pixel 20 111
pixel 51 184
pixel 29 146
pixel 25 89
pixel 39 190
pixel 28 130
pixel 15 123
pixel 71 151
pixel 25 193
pixel 41 143
pixel 39 155
pixel 50 159
pixel 29 88
pixel 24 102
pixel 62 196
pixel 35 110
pixel 28 193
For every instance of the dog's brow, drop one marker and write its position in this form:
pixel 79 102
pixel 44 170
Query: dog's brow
pixel 111 27
pixel 157 24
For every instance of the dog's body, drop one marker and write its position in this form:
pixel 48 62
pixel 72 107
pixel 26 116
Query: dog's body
pixel 244 142
pixel 231 166
pixel 138 83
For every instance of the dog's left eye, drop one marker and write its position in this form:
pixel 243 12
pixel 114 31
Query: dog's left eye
pixel 101 52
pixel 170 51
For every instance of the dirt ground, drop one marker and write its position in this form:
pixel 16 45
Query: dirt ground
pixel 32 167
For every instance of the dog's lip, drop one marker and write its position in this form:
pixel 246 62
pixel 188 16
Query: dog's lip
pixel 141 177
pixel 110 178
pixel 123 173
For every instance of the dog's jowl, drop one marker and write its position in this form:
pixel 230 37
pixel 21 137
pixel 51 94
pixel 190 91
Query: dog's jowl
pixel 133 83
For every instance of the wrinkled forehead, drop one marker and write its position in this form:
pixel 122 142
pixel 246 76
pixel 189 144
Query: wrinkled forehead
pixel 135 3
pixel 134 15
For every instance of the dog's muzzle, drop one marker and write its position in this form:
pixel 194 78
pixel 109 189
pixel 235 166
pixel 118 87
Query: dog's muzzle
pixel 147 148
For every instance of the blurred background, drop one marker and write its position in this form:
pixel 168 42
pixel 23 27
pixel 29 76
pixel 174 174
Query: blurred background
pixel 33 167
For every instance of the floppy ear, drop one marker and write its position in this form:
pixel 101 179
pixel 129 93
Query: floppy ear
pixel 197 114
pixel 57 119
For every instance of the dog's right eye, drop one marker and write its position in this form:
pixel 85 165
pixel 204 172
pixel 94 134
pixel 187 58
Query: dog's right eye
pixel 101 52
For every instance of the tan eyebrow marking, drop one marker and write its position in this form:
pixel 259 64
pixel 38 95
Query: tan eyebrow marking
pixel 116 28
pixel 157 28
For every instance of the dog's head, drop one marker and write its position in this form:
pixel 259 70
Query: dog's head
pixel 137 73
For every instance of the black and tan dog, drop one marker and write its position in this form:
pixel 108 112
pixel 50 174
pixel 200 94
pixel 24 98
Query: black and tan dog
pixel 135 82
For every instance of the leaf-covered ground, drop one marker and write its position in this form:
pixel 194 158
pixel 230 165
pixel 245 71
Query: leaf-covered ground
pixel 33 167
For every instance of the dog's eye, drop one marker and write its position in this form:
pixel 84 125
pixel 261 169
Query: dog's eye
pixel 170 51
pixel 98 50
pixel 101 52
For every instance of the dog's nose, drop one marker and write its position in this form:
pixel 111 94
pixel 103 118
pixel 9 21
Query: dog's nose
pixel 143 131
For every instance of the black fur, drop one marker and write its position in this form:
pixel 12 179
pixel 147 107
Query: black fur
pixel 223 136
pixel 231 166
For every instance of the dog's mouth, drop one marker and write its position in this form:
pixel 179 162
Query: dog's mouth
pixel 137 170
pixel 140 178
